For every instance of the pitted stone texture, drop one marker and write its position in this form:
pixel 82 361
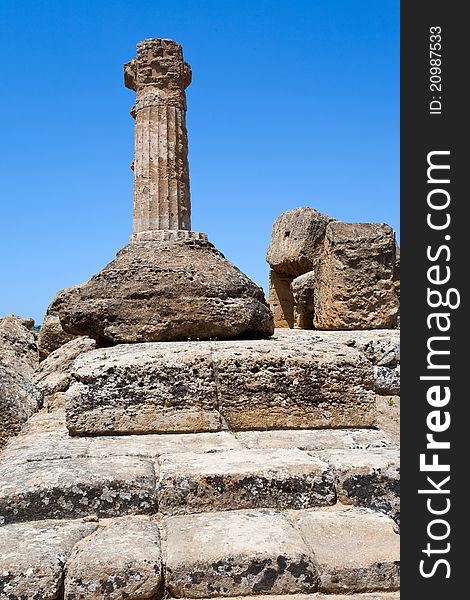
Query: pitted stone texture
pixel 293 384
pixel 236 553
pixel 388 416
pixel 354 283
pixel 19 397
pixel 303 288
pixel 191 483
pixel 281 299
pixel 68 488
pixel 33 556
pixel 315 439
pixel 380 346
pixel 51 334
pixel 163 291
pixel 121 559
pixel 198 386
pixel 368 478
pixel 18 350
pixel 143 388
pixel 54 373
pixel 297 241
pixel 356 550
pixel 387 380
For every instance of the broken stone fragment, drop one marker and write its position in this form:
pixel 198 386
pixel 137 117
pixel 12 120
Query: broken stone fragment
pixel 51 334
pixel 54 372
pixel 297 241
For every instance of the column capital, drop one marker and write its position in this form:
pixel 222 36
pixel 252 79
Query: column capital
pixel 159 65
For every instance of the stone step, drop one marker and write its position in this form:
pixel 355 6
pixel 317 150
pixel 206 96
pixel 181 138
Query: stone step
pixel 219 554
pixel 45 473
pixel 297 382
pixel 272 552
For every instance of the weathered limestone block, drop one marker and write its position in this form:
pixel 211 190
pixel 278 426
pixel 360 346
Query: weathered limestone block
pixel 18 350
pixel 303 288
pixel 33 556
pixel 200 386
pixel 191 483
pixel 368 478
pixel 19 399
pixel 281 299
pixel 291 384
pixel 297 241
pixel 70 488
pixel 236 553
pixel 121 559
pixel 356 550
pixel 144 388
pixel 354 285
pixel 163 291
pixel 54 372
pixel 51 334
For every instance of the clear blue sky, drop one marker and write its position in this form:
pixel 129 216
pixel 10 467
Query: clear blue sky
pixel 293 103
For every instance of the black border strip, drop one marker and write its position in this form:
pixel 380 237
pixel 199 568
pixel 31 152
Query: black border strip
pixel 424 131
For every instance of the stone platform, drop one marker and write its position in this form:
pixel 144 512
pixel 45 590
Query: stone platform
pixel 296 380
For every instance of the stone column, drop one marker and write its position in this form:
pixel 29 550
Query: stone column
pixel 159 75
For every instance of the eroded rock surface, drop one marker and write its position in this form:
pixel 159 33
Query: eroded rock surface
pixel 162 291
pixel 297 241
pixel 33 557
pixel 239 552
pixel 205 386
pixel 51 334
pixel 19 397
pixel 355 280
pixel 121 559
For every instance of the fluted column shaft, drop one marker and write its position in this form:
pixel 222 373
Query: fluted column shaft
pixel 161 172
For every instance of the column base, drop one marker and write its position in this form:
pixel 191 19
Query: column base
pixel 163 235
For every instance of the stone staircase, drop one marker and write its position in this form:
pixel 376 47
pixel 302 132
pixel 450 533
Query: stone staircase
pixel 283 513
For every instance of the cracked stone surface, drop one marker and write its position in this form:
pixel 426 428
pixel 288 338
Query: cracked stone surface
pixel 296 382
pixel 236 553
pixel 121 559
pixel 144 388
pixel 76 487
pixel 239 479
pixel 369 478
pixel 356 550
pixel 33 557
